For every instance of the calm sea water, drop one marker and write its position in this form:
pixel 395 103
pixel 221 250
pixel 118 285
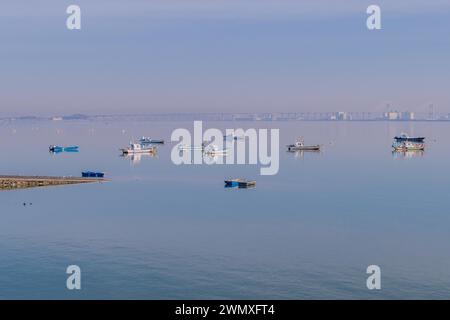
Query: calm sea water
pixel 158 231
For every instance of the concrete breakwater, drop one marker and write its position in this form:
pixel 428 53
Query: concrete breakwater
pixel 20 182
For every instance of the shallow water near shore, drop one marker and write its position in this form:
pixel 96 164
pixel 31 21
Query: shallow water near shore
pixel 161 231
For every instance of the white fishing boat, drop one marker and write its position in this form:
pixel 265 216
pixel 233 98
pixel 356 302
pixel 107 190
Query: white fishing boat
pixel 136 148
pixel 407 143
pixel 214 150
pixel 299 145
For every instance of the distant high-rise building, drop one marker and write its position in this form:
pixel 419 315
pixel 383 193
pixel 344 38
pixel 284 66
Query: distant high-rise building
pixel 407 116
pixel 392 115
pixel 341 115
pixel 432 112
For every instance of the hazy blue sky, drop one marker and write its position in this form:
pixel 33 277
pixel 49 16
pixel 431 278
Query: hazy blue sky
pixel 212 55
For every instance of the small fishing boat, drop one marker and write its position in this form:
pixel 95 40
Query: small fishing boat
pixel 135 148
pixel 299 145
pixel 90 174
pixel 145 140
pixel 58 149
pixel 214 150
pixel 407 143
pixel 240 183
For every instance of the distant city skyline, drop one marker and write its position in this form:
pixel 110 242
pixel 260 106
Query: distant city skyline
pixel 390 115
pixel 223 56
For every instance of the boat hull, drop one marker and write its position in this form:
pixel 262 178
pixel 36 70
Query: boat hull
pixel 403 149
pixel 151 141
pixel 304 148
pixel 127 151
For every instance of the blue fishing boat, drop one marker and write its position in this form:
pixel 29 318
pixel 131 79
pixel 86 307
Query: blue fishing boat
pixel 239 183
pixel 58 149
pixel 90 174
pixel 232 183
pixel 55 149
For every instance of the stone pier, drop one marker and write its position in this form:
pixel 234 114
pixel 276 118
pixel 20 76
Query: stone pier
pixel 20 182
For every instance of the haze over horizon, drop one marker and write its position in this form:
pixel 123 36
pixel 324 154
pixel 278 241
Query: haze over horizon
pixel 223 56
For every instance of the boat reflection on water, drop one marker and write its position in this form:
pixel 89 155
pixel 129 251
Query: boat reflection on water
pixel 137 157
pixel 207 156
pixel 212 158
pixel 407 154
pixel 301 154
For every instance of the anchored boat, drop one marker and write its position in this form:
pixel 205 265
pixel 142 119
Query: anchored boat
pixel 299 145
pixel 90 174
pixel 214 150
pixel 58 149
pixel 135 148
pixel 407 143
pixel 240 183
